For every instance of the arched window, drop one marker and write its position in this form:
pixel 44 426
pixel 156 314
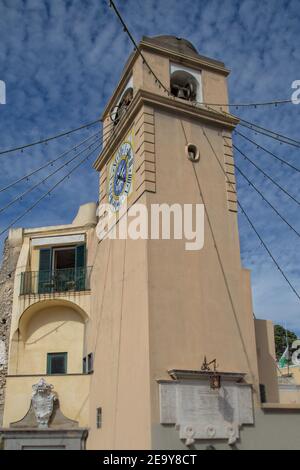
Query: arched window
pixel 183 85
pixel 118 111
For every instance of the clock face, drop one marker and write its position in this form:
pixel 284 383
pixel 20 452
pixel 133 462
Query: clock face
pixel 120 175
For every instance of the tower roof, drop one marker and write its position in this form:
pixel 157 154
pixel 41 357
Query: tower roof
pixel 174 43
pixel 179 46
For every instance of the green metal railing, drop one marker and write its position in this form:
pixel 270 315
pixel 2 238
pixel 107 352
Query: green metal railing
pixel 57 280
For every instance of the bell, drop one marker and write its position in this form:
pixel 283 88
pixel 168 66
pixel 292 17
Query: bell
pixel 181 93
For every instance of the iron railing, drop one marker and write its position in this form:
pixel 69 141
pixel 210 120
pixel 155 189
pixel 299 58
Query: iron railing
pixel 57 280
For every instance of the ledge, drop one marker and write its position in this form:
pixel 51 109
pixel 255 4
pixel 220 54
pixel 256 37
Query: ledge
pixel 281 406
pixel 49 375
pixel 185 108
pixel 51 295
pixel 179 374
pixel 29 431
pixel 200 62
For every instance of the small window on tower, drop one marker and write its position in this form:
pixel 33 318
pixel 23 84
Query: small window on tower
pixel 99 418
pixel 192 152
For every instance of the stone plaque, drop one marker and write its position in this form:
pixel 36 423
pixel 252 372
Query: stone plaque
pixel 202 413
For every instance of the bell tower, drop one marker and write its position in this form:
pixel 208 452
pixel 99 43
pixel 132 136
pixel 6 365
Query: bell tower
pixel 159 309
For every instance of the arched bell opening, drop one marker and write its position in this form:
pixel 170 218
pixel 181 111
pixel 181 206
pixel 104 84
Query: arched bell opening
pixel 120 110
pixel 183 85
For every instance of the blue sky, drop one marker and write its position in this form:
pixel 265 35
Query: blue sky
pixel 61 59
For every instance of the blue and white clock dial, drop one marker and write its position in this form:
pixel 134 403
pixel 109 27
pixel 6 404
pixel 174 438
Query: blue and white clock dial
pixel 120 175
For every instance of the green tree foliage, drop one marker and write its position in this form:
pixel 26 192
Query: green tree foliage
pixel 280 340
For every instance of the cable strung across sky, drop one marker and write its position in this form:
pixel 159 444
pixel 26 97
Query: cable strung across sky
pixel 252 225
pixel 266 175
pixel 266 200
pixel 258 129
pixel 51 162
pixel 50 191
pixel 36 185
pixel 268 133
pixel 259 146
pixel 48 139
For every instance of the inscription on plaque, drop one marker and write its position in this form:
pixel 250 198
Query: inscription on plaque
pixel 202 413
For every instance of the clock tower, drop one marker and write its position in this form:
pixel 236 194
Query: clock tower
pixel 159 309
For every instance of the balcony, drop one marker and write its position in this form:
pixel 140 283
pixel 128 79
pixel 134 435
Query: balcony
pixel 54 281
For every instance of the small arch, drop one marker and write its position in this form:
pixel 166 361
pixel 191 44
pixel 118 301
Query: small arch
pixel 119 111
pixel 42 305
pixel 47 327
pixel 192 152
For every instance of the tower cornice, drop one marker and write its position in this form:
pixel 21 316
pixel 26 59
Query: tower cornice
pixel 197 62
pixel 184 108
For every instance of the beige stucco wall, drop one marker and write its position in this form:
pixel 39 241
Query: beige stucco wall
pixel 119 336
pixel 156 305
pixel 192 314
pixel 273 430
pixel 72 390
pixel 289 394
pixel 43 323
pixel 289 384
pixel 153 305
pixel 50 329
pixel 264 331
pixel 293 370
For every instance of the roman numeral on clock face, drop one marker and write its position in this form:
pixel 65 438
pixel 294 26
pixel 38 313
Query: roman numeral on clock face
pixel 120 175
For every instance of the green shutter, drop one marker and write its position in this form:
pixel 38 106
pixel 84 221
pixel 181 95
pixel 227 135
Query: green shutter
pixel 45 270
pixel 45 259
pixel 80 267
pixel 80 256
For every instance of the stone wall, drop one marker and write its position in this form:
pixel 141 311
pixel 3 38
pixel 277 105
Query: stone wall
pixel 7 274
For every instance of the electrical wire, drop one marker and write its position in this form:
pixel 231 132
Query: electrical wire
pixel 48 192
pixel 48 139
pixel 51 162
pixel 256 128
pixel 267 151
pixel 101 142
pixel 277 136
pixel 243 122
pixel 126 30
pixel 21 196
pixel 268 250
pixel 269 133
pixel 266 200
pixel 266 175
pixel 254 105
pixel 251 223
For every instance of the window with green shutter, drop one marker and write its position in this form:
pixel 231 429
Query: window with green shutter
pixel 62 268
pixel 44 279
pixel 80 272
pixel 57 363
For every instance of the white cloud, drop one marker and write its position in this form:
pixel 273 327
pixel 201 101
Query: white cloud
pixel 61 60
